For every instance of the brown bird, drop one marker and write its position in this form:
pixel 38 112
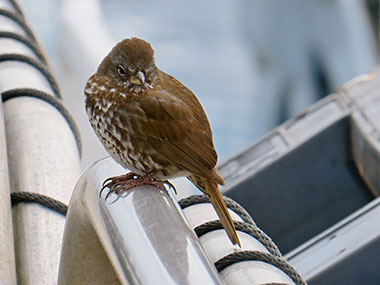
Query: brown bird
pixel 153 125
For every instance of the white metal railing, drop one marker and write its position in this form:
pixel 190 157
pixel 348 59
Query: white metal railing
pixel 42 154
pixel 144 238
pixel 140 239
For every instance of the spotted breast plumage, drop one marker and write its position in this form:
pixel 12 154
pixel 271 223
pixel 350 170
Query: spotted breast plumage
pixel 153 125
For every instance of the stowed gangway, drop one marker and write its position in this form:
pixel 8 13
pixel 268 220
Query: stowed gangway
pixel 311 184
pixel 141 238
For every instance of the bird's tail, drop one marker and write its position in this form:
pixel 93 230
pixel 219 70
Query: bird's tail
pixel 220 207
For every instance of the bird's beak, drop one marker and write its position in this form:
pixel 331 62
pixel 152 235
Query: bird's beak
pixel 138 78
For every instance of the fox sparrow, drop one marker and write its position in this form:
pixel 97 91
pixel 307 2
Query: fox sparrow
pixel 152 125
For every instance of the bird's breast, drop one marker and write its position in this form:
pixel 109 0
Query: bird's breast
pixel 118 125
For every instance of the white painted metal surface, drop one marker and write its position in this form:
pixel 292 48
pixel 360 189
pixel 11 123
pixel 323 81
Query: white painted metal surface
pixel 359 229
pixel 254 273
pixel 336 243
pixel 143 235
pixel 42 158
pixel 21 75
pixel 7 257
pixel 217 245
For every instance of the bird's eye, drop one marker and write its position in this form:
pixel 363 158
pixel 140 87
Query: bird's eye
pixel 121 70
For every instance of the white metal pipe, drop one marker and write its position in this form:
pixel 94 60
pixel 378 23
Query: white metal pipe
pixel 9 25
pixel 6 5
pixel 43 158
pixel 7 257
pixel 17 74
pixel 144 235
pixel 204 212
pixel 217 245
pixel 254 273
pixel 8 45
pixel 14 74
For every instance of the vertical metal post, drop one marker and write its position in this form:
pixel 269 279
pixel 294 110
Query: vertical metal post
pixel 42 158
pixel 7 257
pixel 42 152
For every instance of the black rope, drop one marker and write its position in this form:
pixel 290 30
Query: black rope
pixel 15 5
pixel 242 227
pixel 39 66
pixel 231 204
pixel 28 92
pixel 275 283
pixel 30 44
pixel 43 200
pixel 19 19
pixel 274 256
pixel 260 256
pixel 30 41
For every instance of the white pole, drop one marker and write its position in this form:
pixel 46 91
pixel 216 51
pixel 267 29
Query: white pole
pixel 7 257
pixel 43 157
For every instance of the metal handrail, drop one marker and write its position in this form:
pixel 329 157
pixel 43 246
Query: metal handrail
pixel 142 238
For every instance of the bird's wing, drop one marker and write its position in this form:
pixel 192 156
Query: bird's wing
pixel 173 130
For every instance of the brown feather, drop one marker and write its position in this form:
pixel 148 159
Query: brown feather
pixel 176 134
pixel 210 188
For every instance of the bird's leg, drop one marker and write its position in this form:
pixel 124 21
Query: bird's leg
pixel 121 184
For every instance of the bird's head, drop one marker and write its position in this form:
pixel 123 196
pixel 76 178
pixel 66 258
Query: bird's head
pixel 130 64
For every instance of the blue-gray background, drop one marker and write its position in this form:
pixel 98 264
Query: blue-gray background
pixel 252 63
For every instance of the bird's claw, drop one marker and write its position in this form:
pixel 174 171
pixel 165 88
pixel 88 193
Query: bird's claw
pixel 121 184
pixel 171 186
pixel 115 184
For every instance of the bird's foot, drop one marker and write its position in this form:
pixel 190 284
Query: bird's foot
pixel 112 182
pixel 170 185
pixel 121 184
